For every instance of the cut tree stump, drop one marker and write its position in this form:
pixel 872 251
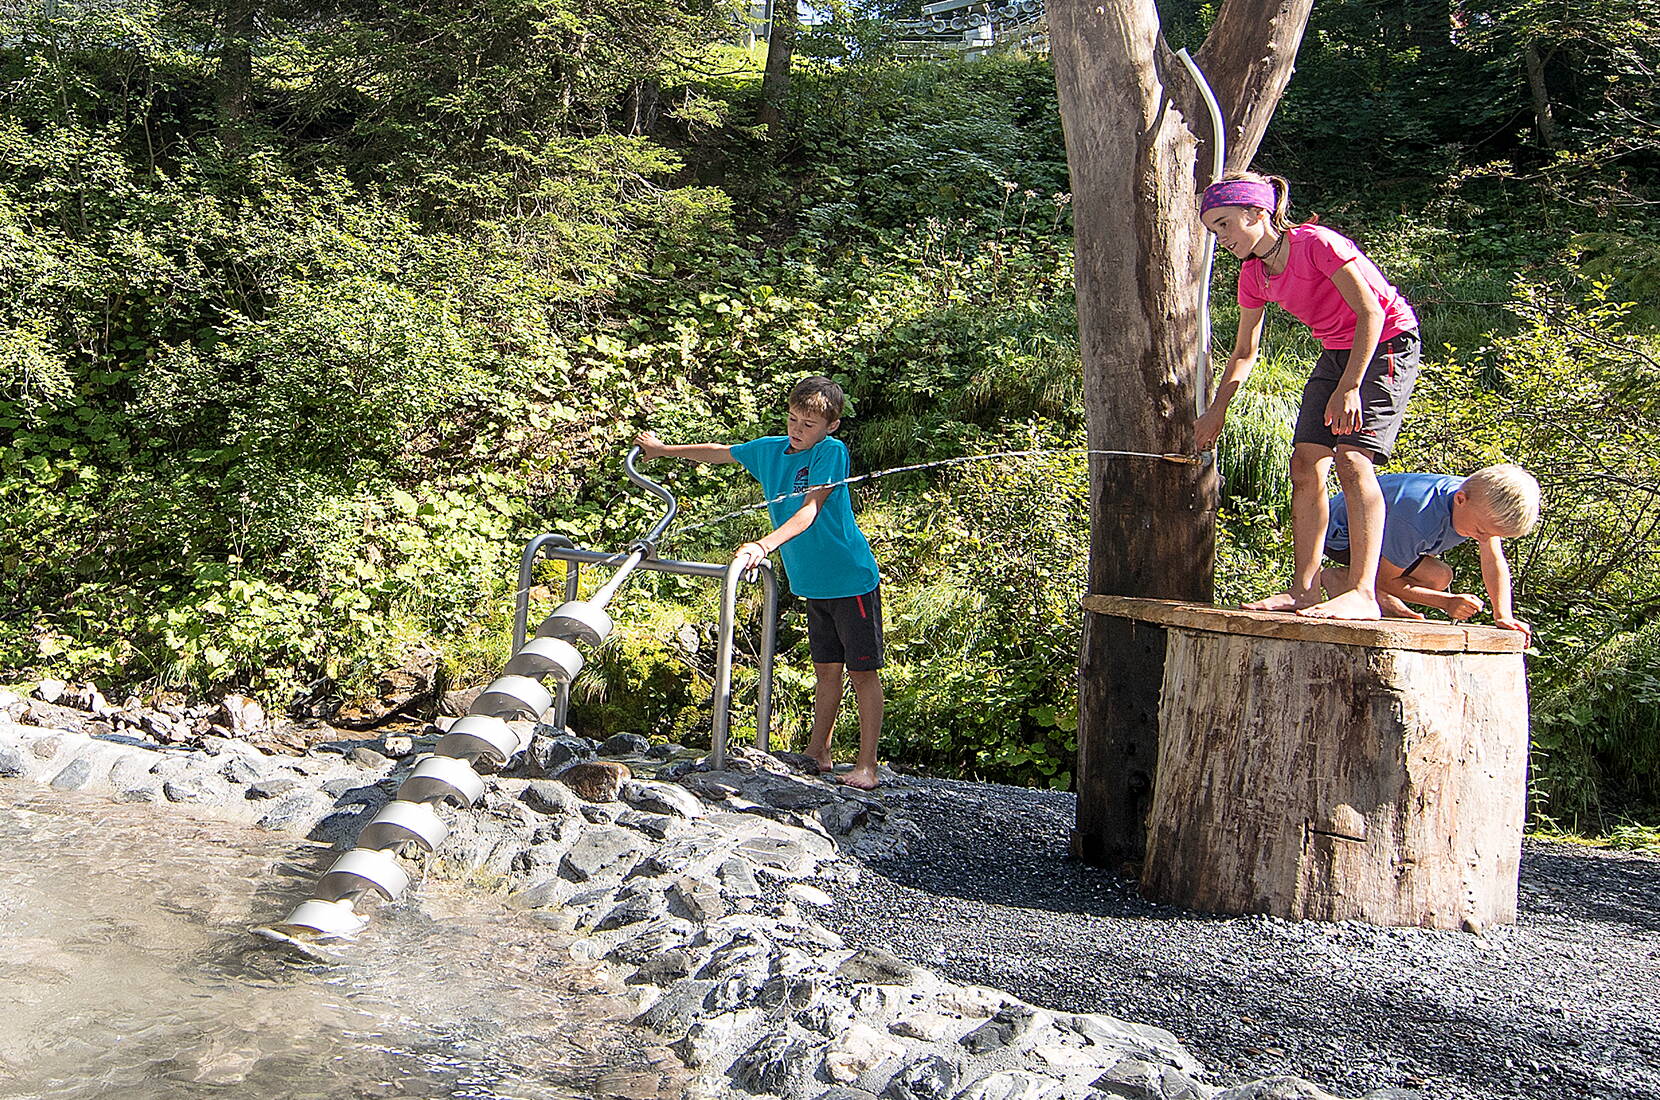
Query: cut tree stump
pixel 1327 770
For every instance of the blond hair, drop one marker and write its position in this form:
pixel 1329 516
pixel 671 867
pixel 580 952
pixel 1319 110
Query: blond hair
pixel 818 395
pixel 1508 494
pixel 1280 216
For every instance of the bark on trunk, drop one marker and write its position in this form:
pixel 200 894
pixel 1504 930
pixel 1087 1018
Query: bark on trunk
pixel 1544 116
pixel 236 72
pixel 1319 781
pixel 775 81
pixel 1135 127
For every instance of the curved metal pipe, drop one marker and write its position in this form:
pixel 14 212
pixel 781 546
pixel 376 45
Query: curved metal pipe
pixel 1218 160
pixel 723 666
pixel 648 541
pixel 527 566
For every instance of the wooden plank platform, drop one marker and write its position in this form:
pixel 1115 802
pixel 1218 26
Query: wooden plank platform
pixel 1420 636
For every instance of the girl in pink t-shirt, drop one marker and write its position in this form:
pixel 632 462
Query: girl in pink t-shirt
pixel 1356 396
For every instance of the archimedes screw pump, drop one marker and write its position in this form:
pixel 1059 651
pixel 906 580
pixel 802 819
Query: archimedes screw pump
pixel 411 822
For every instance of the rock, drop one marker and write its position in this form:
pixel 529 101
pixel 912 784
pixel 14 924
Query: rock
pixel 768 1065
pixel 271 787
pixel 240 770
pixel 9 698
pixel 665 967
pixel 737 880
pixel 553 799
pixel 664 752
pixel 540 895
pixel 601 850
pixel 291 812
pixel 840 818
pixel 548 755
pixel 639 906
pixel 240 714
pixel 11 763
pixel 598 781
pixel 843 1092
pixel 50 690
pixel 1276 1088
pixel 398 745
pixel 784 793
pixel 798 762
pixel 927 1026
pixel 809 895
pixel 856 1051
pixel 1134 1079
pixel 625 744
pixel 1016 1085
pixel 697 899
pixel 785 855
pixel 655 826
pixel 930 1078
pixel 365 757
pixel 405 689
pixel 876 967
pixel 74 775
pixel 661 798
pixel 1007 1026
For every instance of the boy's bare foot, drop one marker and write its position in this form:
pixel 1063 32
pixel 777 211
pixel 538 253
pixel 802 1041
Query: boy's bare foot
pixel 1289 600
pixel 825 763
pixel 862 778
pixel 1352 604
pixel 1393 607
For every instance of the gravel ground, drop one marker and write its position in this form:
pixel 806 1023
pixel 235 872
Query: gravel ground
pixel 1564 1004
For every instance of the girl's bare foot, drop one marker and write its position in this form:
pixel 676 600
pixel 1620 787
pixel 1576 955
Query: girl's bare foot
pixel 1352 604
pixel 1289 600
pixel 863 778
pixel 1393 607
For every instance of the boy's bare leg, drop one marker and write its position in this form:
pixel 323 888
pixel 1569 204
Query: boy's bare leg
pixel 827 703
pixel 1359 477
pixel 1309 465
pixel 867 692
pixel 1335 579
pixel 1431 585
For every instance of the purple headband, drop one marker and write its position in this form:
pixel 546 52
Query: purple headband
pixel 1239 193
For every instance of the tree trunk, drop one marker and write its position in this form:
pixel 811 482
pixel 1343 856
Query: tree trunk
pixel 236 72
pixel 1135 127
pixel 775 81
pixel 1544 116
pixel 1337 771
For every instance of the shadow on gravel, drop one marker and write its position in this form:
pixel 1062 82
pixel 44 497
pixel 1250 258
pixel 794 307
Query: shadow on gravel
pixel 1577 885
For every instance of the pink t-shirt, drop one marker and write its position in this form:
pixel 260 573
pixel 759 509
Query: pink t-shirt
pixel 1305 290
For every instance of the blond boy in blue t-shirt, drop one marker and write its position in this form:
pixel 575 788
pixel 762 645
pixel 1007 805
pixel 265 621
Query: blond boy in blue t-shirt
pixel 826 557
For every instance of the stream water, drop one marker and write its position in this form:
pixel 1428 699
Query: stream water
pixel 127 970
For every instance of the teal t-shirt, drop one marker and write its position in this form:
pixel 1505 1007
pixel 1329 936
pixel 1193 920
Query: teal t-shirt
pixel 831 559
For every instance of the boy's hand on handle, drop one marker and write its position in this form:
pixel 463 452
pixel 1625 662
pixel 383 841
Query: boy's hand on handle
pixel 1343 411
pixel 1208 428
pixel 1517 625
pixel 649 444
pixel 750 554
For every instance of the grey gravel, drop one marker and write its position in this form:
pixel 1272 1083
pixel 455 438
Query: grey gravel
pixel 1563 1004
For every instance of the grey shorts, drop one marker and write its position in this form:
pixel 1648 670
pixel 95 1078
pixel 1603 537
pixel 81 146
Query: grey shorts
pixel 1384 390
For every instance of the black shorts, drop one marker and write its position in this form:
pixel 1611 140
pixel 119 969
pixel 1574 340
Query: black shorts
pixel 847 631
pixel 1384 390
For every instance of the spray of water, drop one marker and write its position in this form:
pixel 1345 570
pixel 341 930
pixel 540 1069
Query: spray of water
pixel 1180 459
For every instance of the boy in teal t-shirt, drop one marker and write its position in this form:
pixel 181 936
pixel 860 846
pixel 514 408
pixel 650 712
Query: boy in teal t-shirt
pixel 826 557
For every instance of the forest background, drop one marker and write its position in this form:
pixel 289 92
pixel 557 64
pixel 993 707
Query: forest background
pixel 311 314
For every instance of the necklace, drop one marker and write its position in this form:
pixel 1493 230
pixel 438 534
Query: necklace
pixel 1279 244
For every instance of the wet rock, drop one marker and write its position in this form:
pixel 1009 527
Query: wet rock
pixel 1016 1085
pixel 1007 1026
pixel 552 799
pixel 931 1078
pixel 291 812
pixel 601 850
pixel 188 788
pixel 598 781
pixel 11 763
pixel 74 775
pixel 624 744
pixel 857 1051
pixel 50 690
pixel 664 752
pixel 661 798
pixel 240 770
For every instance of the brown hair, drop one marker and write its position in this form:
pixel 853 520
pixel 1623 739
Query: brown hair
pixel 818 395
pixel 1280 216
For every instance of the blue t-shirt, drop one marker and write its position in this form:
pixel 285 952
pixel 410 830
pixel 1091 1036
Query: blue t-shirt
pixel 1417 517
pixel 831 559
